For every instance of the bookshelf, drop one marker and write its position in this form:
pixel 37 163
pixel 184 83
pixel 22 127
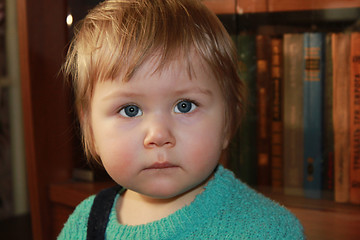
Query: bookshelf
pixel 326 217
pixel 53 149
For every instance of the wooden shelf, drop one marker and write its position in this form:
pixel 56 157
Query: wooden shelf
pixel 309 203
pixel 221 7
pixel 327 20
pixel 71 193
pixel 239 7
pixel 322 218
pixel 65 196
pixel 270 6
pixel 306 5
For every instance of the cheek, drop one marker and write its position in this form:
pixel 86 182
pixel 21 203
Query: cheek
pixel 205 145
pixel 118 164
pixel 209 147
pixel 116 151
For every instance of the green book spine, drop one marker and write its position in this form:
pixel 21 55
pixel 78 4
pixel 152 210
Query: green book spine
pixel 293 114
pixel 244 152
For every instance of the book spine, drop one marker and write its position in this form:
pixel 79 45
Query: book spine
pixel 355 118
pixel 244 163
pixel 6 190
pixel 293 114
pixel 313 77
pixel 341 101
pixel 328 134
pixel 276 113
pixel 263 134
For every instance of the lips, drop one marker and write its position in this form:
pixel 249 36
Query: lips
pixel 162 165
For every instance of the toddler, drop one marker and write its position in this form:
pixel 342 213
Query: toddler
pixel 158 99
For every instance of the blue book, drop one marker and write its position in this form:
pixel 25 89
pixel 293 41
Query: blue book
pixel 313 83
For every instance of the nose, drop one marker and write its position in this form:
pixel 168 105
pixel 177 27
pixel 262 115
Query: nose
pixel 159 133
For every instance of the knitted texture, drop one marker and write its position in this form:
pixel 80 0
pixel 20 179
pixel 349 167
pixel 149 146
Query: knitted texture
pixel 227 209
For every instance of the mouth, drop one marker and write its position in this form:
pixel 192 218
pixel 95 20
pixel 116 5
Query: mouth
pixel 162 165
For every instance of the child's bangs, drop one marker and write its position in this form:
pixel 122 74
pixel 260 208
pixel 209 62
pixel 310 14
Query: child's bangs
pixel 135 34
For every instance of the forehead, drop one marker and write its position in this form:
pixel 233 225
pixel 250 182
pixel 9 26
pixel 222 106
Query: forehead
pixel 177 76
pixel 180 62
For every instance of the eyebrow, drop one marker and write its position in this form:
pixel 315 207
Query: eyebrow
pixel 116 94
pixel 198 90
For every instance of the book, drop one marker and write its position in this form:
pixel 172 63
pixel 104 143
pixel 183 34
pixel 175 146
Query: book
pixel 328 134
pixel 341 87
pixel 6 186
pixel 263 107
pixel 276 113
pixel 355 118
pixel 243 152
pixel 293 114
pixel 313 87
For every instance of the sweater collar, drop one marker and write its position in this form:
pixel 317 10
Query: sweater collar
pixel 205 206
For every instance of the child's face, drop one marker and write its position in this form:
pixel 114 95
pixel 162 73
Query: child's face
pixel 160 134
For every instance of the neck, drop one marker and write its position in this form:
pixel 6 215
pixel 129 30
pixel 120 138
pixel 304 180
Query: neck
pixel 134 208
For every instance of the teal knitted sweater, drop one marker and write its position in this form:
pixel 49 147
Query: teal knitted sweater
pixel 227 209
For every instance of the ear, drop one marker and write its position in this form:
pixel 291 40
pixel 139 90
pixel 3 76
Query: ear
pixel 81 115
pixel 226 140
pixel 87 132
pixel 225 143
pixel 226 134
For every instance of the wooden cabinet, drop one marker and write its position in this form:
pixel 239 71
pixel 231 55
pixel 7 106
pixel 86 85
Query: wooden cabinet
pixel 322 219
pixel 283 5
pixel 52 145
pixel 233 6
pixel 261 6
pixel 50 142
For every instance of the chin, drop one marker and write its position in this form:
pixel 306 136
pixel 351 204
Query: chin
pixel 163 194
pixel 171 192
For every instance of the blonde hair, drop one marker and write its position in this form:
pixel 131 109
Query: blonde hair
pixel 118 36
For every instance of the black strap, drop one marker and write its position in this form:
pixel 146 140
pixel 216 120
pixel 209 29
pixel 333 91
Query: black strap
pixel 100 211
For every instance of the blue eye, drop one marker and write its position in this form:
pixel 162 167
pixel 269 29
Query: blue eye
pixel 130 111
pixel 185 106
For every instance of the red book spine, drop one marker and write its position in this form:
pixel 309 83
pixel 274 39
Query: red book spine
pixel 355 118
pixel 276 114
pixel 263 95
